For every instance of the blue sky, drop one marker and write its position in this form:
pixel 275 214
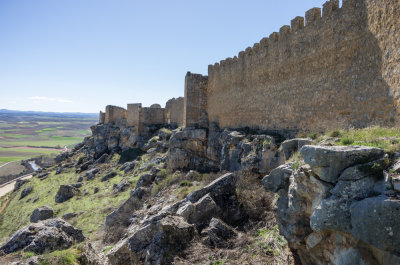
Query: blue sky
pixel 80 55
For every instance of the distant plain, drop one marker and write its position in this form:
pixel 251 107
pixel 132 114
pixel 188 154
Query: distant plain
pixel 25 135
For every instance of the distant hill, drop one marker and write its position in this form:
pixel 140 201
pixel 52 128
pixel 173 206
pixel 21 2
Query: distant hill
pixel 49 114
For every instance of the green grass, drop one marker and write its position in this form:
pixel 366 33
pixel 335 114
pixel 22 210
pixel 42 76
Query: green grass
pixel 52 141
pixel 28 150
pixel 270 242
pixel 93 207
pixel 10 159
pixel 385 138
pixel 61 257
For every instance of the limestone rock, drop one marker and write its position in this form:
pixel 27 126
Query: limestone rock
pixel 121 186
pixel 222 185
pixel 289 147
pixel 90 174
pixel 25 192
pixel 41 213
pixel 66 192
pixel 19 183
pixel 128 167
pixel 217 234
pixel 375 221
pixel 68 216
pixel 278 178
pixel 329 161
pixel 101 159
pixel 155 243
pixel 199 213
pixel 109 175
pixel 48 235
pixel 145 180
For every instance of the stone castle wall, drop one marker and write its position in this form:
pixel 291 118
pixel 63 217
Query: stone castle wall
pixel 174 111
pixel 133 116
pixel 195 102
pixel 115 115
pixel 152 116
pixel 102 117
pixel 338 70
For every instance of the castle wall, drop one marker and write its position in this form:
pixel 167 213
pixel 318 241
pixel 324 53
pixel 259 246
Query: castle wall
pixel 102 117
pixel 152 116
pixel 195 101
pixel 133 116
pixel 336 71
pixel 174 111
pixel 115 115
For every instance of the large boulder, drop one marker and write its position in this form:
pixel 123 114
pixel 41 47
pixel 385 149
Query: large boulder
pixel 48 235
pixel 155 243
pixel 25 192
pixel 278 178
pixel 376 221
pixel 217 234
pixel 289 147
pixel 334 210
pixel 199 213
pixel 19 183
pixel 66 192
pixel 41 213
pixel 223 185
pixel 329 161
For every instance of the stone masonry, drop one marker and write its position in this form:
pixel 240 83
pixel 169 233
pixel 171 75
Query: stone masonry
pixel 174 111
pixel 115 115
pixel 338 67
pixel 338 70
pixel 195 102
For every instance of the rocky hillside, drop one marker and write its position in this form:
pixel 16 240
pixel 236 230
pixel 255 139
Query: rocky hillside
pixel 197 196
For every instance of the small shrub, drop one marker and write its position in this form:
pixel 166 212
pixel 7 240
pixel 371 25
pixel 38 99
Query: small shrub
pixel 168 180
pixel 266 142
pixel 345 140
pixel 107 249
pixel 154 139
pixel 312 135
pixel 335 133
pixel 60 257
pixel 253 197
pixel 185 183
pixel 28 254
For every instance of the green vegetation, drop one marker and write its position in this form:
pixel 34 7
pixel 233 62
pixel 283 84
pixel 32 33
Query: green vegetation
pixel 92 208
pixel 61 257
pixel 107 249
pixel 385 138
pixel 40 130
pixel 270 241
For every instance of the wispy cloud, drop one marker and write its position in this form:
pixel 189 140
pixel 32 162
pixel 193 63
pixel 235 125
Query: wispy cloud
pixel 61 100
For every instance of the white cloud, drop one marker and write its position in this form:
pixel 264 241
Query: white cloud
pixel 61 100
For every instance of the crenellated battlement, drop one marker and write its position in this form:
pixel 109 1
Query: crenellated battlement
pixel 316 68
pixel 336 67
pixel 297 25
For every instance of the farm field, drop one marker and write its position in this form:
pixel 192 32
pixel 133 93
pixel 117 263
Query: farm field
pixel 24 135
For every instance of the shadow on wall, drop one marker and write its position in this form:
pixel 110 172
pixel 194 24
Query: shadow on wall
pixel 329 74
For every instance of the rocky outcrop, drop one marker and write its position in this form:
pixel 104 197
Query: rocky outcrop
pixel 25 192
pixel 66 192
pixel 155 243
pixel 155 239
pixel 48 235
pixel 41 213
pixel 215 150
pixel 335 208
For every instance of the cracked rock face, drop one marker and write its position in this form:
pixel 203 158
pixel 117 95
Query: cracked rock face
pixel 155 239
pixel 48 235
pixel 334 210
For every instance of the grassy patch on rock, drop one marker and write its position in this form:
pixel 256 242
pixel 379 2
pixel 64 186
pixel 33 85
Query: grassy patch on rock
pixel 91 207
